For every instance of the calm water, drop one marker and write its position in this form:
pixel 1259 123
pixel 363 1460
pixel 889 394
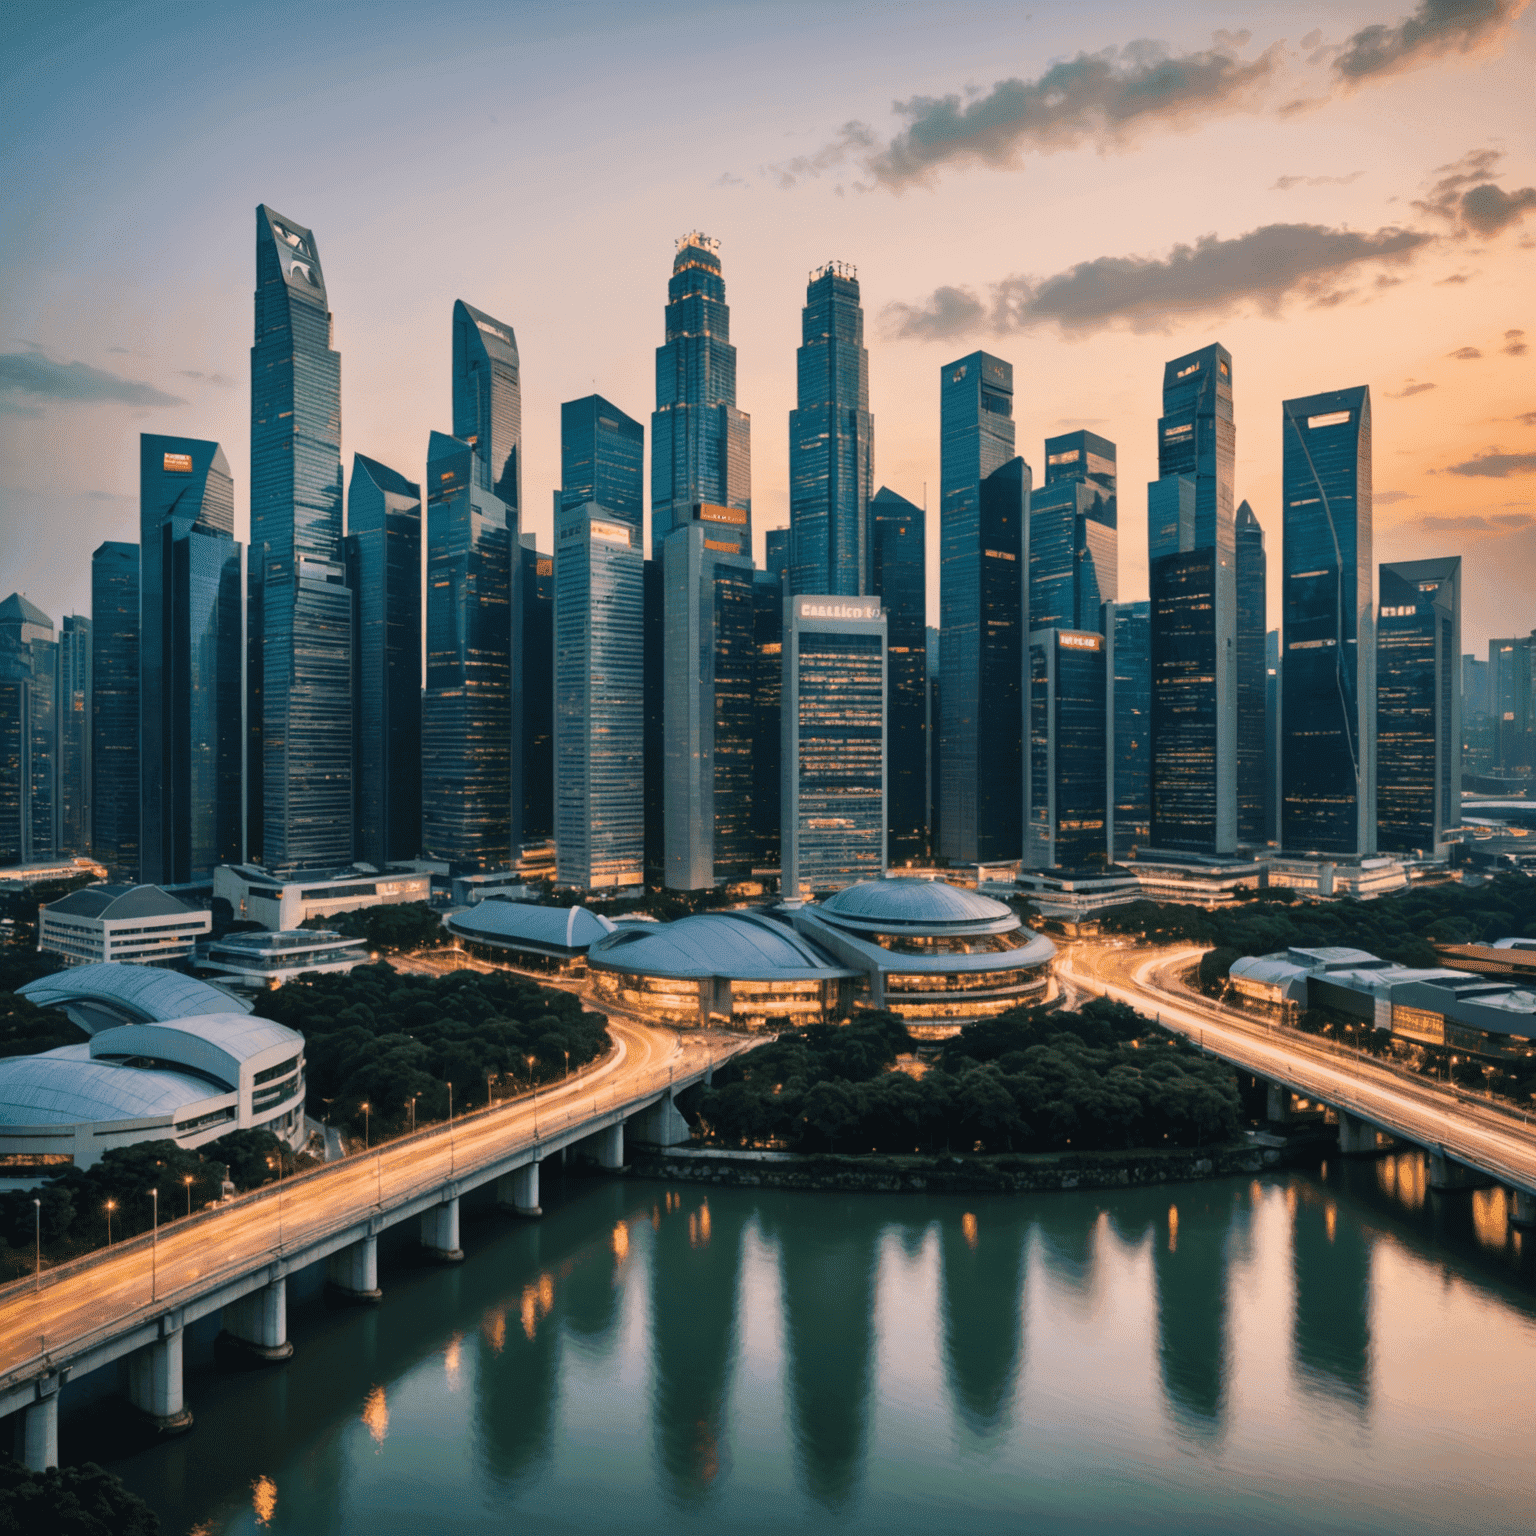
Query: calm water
pixel 1301 1353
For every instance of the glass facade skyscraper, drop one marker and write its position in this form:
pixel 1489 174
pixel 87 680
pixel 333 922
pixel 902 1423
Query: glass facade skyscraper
pixel 190 633
pixel 898 549
pixel 602 459
pixel 1127 637
pixel 767 714
pixel 535 659
pixel 115 709
pixel 299 658
pixel 1512 701
pixel 701 445
pixel 1328 697
pixel 831 440
pixel 599 700
pixel 1073 555
pixel 983 612
pixel 1252 568
pixel 1091 460
pixel 1418 706
pixel 384 574
pixel 29 660
pixel 834 744
pixel 488 401
pixel 1066 774
pixel 74 714
pixel 776 553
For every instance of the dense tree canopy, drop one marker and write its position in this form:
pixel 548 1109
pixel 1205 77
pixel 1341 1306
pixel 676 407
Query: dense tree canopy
pixel 389 930
pixel 70 1501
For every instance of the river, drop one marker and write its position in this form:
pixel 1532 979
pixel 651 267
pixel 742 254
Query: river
pixel 1328 1351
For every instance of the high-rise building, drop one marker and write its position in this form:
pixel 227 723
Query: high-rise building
pixel 654 693
pixel 115 709
pixel 1474 686
pixel 1251 595
pixel 29 659
pixel 599 722
pixel 1512 702
pixel 1067 771
pixel 1328 685
pixel 701 445
pixel 932 652
pixel 767 710
pixel 468 783
pixel 1090 459
pixel 1128 752
pixel 983 612
pixel 298 638
pixel 1272 736
pixel 898 550
pixel 831 440
pixel 1073 537
pixel 834 743
pixel 488 401
pixel 1418 705
pixel 776 554
pixel 1191 539
pixel 190 632
pixel 384 573
pixel 535 658
pixel 602 460
pixel 74 716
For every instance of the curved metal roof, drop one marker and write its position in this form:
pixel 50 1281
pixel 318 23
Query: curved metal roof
pixel 62 1088
pixel 743 946
pixel 115 902
pixel 215 1043
pixel 136 993
pixel 514 922
pixel 905 903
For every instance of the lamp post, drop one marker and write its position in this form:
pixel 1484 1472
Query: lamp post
pixel 567 1063
pixel 365 1124
pixel 110 1207
pixel 187 1180
pixel 450 1127
pixel 37 1220
pixel 412 1103
pixel 154 1246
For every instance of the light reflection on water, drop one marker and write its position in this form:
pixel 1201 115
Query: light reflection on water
pixel 1341 1353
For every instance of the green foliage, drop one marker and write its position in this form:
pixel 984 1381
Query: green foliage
pixel 253 1158
pixel 26 1029
pixel 389 930
pixel 20 906
pixel 70 1501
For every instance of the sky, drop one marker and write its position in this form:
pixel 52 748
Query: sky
pixel 1340 194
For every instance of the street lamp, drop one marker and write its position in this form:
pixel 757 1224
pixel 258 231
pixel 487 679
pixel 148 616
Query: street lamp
pixel 187 1180
pixel 450 1127
pixel 37 1218
pixel 154 1246
pixel 365 1124
pixel 411 1102
pixel 111 1206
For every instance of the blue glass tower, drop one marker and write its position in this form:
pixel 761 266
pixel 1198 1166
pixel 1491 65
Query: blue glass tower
pixel 1073 536
pixel 898 549
pixel 776 553
pixel 115 709
pixel 534 655
pixel 1127 635
pixel 602 459
pixel 1328 682
pixel 1066 776
pixel 29 658
pixel 831 440
pixel 1252 592
pixel 701 445
pixel 74 706
pixel 488 400
pixel 299 655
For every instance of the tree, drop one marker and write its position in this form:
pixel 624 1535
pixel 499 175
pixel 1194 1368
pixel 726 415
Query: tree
pixel 70 1501
pixel 830 1111
pixel 253 1158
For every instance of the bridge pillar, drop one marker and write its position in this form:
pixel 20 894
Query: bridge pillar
pixel 353 1273
pixel 258 1323
pixel 518 1191
pixel 37 1433
pixel 1445 1175
pixel 440 1232
pixel 155 1383
pixel 1522 1208
pixel 1357 1137
pixel 662 1125
pixel 609 1146
pixel 1278 1109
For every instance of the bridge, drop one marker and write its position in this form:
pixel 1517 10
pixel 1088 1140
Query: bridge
pixel 136 1299
pixel 1470 1140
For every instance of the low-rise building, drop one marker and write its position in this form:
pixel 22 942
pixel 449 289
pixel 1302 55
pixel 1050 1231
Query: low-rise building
pixel 1192 878
pixel 21 877
pixel 258 961
pixel 1071 898
pixel 98 997
pixel 139 924
pixel 282 905
pixel 1328 879
pixel 531 937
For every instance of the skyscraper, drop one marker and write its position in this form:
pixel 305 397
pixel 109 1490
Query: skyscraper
pixel 1073 537
pixel 602 459
pixel 767 716
pixel 29 659
pixel 115 709
pixel 1191 538
pixel 1418 705
pixel 1251 594
pixel 701 445
pixel 1128 752
pixel 74 715
pixel 834 744
pixel 190 726
pixel 1091 460
pixel 488 401
pixel 599 705
pixel 1067 771
pixel 776 553
pixel 898 547
pixel 1328 697
pixel 1272 736
pixel 534 657
pixel 1512 701
pixel 384 574
pixel 299 657
pixel 983 611
pixel 654 628
pixel 831 440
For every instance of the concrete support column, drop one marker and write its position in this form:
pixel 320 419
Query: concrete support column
pixel 353 1273
pixel 258 1323
pixel 609 1146
pixel 154 1383
pixel 661 1125
pixel 1278 1109
pixel 518 1191
pixel 1357 1137
pixel 37 1434
pixel 440 1231
pixel 1522 1208
pixel 1445 1175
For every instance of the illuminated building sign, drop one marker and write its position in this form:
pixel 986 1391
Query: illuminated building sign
pixel 494 330
pixel 614 533
pixel 178 464
pixel 820 608
pixel 705 512
pixel 722 546
pixel 1332 419
pixel 1079 642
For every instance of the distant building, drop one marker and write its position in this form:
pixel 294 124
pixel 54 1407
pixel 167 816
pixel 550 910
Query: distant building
pixel 1512 702
pixel 534 658
pixel 537 938
pixel 74 715
pixel 1272 736
pixel 1327 879
pixel 1127 635
pixel 653 694
pixel 1073 534
pixel 28 733
pixel 767 712
pixel 281 905
pixel 898 543
pixel 1252 570
pixel 140 924
pixel 1066 771
pixel 1474 686
pixel 777 554
pixel 115 708
pixel 602 459
pixel 488 402
pixel 259 961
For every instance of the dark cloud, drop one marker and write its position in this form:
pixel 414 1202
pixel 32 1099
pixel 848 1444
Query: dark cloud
pixel 207 378
pixel 1500 522
pixel 1285 183
pixel 1435 28
pixel 855 140
pixel 1467 198
pixel 1409 389
pixel 1496 466
pixel 1487 209
pixel 728 179
pixel 1391 498
pixel 1265 267
pixel 1527 418
pixel 1455 280
pixel 1515 344
pixel 29 379
pixel 1465 354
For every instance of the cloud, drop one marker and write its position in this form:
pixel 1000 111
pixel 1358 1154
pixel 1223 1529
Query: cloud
pixel 123 350
pixel 207 378
pixel 113 496
pixel 30 379
pixel 1436 28
pixel 1391 498
pixel 728 179
pixel 1465 354
pixel 854 140
pixel 1500 522
pixel 1468 199
pixel 1496 466
pixel 1409 389
pixel 1515 344
pixel 1266 267
pixel 1285 183
pixel 1527 418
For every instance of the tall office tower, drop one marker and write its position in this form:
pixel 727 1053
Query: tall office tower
pixel 767 712
pixel 1073 537
pixel 28 734
pixel 1090 459
pixel 831 440
pixel 1477 727
pixel 834 743
pixel 1328 686
pixel 535 660
pixel 1474 686
pixel 701 445
pixel 654 695
pixel 709 666
pixel 776 554
pixel 932 651
pixel 190 631
pixel 488 401
pixel 384 573
pixel 74 715
pixel 1418 705
pixel 1252 590
pixel 1192 579
pixel 467 767
pixel 1272 736
pixel 1127 664
pixel 899 578
pixel 599 667
pixel 1512 702
pixel 115 709
pixel 983 612
pixel 1067 774
pixel 298 638
pixel 602 459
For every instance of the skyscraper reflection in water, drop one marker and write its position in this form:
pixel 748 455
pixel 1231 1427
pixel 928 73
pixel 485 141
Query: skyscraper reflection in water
pixel 1189 1260
pixel 982 1258
pixel 1331 1320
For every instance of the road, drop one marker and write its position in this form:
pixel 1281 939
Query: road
pixel 1418 1111
pixel 141 1280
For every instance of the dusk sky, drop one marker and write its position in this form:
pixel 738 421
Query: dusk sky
pixel 1340 194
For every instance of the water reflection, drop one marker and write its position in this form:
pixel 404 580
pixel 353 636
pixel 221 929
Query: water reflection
pixel 1190 1267
pixel 1331 1274
pixel 982 1279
